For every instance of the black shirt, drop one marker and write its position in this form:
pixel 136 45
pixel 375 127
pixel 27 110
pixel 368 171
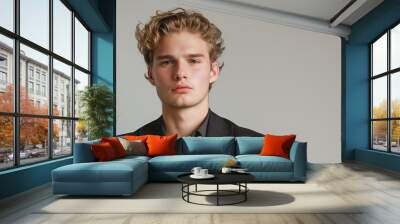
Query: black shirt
pixel 212 126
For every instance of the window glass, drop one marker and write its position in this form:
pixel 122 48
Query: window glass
pixel 395 47
pixel 6 74
pixel 39 61
pixel 33 140
pixel 7 14
pixel 35 21
pixel 81 131
pixel 81 45
pixel 379 135
pixel 379 56
pixel 6 142
pixel 395 136
pixel 379 100
pixel 62 29
pixel 62 137
pixel 62 91
pixel 395 94
pixel 81 81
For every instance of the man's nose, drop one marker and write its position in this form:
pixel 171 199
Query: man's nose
pixel 180 70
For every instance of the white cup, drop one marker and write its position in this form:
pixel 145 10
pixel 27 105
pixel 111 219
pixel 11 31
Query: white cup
pixel 226 170
pixel 203 172
pixel 196 170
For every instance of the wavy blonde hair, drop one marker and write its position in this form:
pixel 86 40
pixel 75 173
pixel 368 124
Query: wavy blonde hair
pixel 173 21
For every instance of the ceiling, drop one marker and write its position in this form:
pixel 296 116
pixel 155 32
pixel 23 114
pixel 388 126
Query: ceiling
pixel 333 17
pixel 318 9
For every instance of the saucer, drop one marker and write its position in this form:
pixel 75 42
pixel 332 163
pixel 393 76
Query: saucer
pixel 208 176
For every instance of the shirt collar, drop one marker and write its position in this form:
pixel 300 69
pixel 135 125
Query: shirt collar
pixel 200 132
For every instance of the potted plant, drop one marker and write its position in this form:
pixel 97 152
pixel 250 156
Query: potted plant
pixel 96 102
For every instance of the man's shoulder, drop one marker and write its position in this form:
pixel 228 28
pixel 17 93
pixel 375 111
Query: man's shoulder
pixel 220 126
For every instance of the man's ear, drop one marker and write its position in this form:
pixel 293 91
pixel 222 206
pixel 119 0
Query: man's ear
pixel 214 72
pixel 150 75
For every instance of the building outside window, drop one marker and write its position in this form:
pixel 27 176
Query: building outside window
pixel 30 87
pixel 59 134
pixel 43 90
pixel 3 72
pixel 30 72
pixel 43 78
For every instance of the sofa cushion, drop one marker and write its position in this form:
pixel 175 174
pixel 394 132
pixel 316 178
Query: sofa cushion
pixel 111 171
pixel 249 145
pixel 185 163
pixel 83 152
pixel 207 145
pixel 257 163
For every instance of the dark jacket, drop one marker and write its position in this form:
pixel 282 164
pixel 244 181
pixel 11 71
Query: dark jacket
pixel 217 126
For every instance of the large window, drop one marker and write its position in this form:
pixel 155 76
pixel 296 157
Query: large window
pixel 385 91
pixel 44 64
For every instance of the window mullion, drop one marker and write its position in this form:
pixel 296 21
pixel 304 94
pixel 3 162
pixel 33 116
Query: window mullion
pixel 16 83
pixel 389 94
pixel 50 87
pixel 73 82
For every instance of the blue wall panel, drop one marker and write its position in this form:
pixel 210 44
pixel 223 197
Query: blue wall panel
pixel 357 84
pixel 24 178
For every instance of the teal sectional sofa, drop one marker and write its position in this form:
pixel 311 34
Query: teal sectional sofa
pixel 125 176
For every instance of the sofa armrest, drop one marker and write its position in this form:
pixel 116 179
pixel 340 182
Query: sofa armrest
pixel 298 155
pixel 83 152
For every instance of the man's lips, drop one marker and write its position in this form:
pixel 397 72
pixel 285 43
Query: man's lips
pixel 182 89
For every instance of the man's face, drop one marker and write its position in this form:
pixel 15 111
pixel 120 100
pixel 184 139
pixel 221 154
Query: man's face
pixel 181 70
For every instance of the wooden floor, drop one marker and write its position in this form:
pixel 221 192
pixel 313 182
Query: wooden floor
pixel 353 182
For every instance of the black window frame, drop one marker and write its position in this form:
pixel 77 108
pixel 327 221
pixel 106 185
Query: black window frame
pixel 388 74
pixel 16 115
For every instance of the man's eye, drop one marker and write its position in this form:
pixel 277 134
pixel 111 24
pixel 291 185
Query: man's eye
pixel 194 61
pixel 165 62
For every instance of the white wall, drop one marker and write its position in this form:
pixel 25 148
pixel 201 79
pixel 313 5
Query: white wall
pixel 276 79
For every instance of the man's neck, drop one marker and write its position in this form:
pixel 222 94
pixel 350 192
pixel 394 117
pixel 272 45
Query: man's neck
pixel 183 121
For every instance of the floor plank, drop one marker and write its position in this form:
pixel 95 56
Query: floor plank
pixel 376 189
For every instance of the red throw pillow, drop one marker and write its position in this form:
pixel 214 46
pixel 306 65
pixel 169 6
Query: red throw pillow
pixel 116 145
pixel 103 151
pixel 277 145
pixel 161 145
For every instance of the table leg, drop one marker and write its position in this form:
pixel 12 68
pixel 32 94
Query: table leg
pixel 217 194
pixel 196 188
pixel 245 191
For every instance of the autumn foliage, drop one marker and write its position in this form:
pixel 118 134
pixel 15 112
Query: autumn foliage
pixel 380 127
pixel 33 131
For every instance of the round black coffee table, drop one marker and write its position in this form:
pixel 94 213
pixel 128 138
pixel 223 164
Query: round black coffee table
pixel 238 179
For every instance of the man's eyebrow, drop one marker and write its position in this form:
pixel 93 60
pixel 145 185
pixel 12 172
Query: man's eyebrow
pixel 164 57
pixel 186 56
pixel 195 55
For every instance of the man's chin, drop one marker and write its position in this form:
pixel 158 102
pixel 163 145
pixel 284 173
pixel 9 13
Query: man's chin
pixel 182 104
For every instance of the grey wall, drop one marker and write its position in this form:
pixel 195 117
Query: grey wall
pixel 276 79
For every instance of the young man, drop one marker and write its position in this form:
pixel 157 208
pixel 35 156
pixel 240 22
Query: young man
pixel 181 49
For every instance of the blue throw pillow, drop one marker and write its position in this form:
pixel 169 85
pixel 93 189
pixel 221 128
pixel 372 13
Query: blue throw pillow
pixel 207 145
pixel 249 145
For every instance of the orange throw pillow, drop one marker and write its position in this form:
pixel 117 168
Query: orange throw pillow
pixel 161 145
pixel 277 145
pixel 103 152
pixel 135 137
pixel 116 145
